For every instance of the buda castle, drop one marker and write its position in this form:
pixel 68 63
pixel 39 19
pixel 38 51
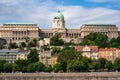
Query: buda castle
pixel 19 32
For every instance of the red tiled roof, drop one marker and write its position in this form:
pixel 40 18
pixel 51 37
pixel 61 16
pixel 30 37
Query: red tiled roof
pixel 80 48
pixel 108 49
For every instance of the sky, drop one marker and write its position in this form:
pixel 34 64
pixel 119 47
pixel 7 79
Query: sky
pixel 76 12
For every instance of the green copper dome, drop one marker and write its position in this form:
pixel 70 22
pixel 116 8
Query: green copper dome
pixel 59 15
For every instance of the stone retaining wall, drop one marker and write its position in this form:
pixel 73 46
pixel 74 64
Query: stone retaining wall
pixel 61 76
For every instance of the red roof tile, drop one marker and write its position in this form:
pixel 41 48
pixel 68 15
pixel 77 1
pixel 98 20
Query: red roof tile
pixel 80 48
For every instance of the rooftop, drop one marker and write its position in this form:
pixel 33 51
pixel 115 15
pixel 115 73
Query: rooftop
pixel 19 24
pixel 9 50
pixel 93 48
pixel 101 25
pixel 59 15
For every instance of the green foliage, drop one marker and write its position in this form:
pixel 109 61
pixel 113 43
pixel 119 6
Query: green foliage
pixel 19 64
pixel 76 66
pixel 33 56
pixel 114 42
pixel 56 40
pixel 49 68
pixel 69 53
pixel 24 69
pixel 38 66
pixel 15 67
pixel 57 67
pixel 100 40
pixel 2 62
pixel 31 68
pixel 12 45
pixel 23 44
pixel 32 43
pixel 109 65
pixel 69 43
pixel 94 65
pixel 95 39
pixel 55 50
pixel 7 67
pixel 66 55
pixel 102 62
pixel 87 62
pixel 35 67
pixel 117 64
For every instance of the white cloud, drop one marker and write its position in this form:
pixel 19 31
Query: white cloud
pixel 77 16
pixel 42 12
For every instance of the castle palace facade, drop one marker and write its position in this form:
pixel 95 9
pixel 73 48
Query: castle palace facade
pixel 20 32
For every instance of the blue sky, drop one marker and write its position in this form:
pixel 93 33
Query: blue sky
pixel 113 4
pixel 76 12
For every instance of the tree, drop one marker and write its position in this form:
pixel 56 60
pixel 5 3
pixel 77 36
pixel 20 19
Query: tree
pixel 31 68
pixel 23 44
pixel 13 45
pixel 109 65
pixel 76 66
pixel 39 66
pixel 95 39
pixel 33 56
pixel 2 62
pixel 114 42
pixel 66 55
pixel 55 50
pixel 94 65
pixel 32 43
pixel 20 64
pixel 7 67
pixel 117 64
pixel 56 40
pixel 102 62
pixel 87 62
pixel 57 67
pixel 15 68
pixel 71 42
pixel 49 68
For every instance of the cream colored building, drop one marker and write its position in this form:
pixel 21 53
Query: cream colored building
pixel 45 41
pixel 109 53
pixel 94 52
pixel 19 32
pixel 45 57
pixel 22 55
pixel 110 30
pixel 88 51
pixel 54 59
pixel 58 27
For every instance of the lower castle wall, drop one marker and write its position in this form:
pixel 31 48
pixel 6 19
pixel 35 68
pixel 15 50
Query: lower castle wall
pixel 61 76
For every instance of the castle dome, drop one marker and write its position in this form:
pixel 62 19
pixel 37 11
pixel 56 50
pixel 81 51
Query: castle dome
pixel 59 15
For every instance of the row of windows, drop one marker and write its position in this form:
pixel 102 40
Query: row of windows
pixel 7 57
pixel 19 25
pixel 18 38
